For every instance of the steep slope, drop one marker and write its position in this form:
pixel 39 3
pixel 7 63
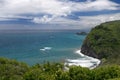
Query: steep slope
pixel 103 42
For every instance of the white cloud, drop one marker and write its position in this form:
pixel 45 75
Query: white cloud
pixel 97 5
pixel 58 9
pixel 52 7
pixel 44 19
pixel 100 18
pixel 16 7
pixel 85 22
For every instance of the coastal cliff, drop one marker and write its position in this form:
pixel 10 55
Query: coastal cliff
pixel 103 42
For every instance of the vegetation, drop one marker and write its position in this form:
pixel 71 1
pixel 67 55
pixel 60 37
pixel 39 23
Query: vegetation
pixel 103 42
pixel 13 70
pixel 115 79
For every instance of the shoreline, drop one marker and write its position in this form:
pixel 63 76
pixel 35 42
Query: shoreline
pixel 84 61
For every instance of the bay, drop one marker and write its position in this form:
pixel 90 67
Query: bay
pixel 38 46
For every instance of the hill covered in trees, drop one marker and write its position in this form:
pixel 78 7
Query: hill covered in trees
pixel 103 42
pixel 13 70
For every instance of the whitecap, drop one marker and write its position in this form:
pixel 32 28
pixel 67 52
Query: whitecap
pixel 46 48
pixel 85 61
pixel 78 52
pixel 42 49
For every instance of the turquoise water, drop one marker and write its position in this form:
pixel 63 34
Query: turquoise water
pixel 39 46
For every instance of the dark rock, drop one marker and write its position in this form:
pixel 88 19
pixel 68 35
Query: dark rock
pixel 87 50
pixel 81 33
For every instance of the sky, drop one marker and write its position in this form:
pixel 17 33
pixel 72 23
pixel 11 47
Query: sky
pixel 57 14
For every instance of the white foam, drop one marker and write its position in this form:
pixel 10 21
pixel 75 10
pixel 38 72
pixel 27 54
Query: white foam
pixel 85 61
pixel 81 64
pixel 78 52
pixel 46 48
pixel 42 49
pixel 78 61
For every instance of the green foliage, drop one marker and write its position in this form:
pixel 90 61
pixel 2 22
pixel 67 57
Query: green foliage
pixel 114 79
pixel 79 73
pixel 107 72
pixel 104 41
pixel 46 71
pixel 62 75
pixel 13 70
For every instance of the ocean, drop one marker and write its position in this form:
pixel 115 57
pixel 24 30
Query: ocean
pixel 39 46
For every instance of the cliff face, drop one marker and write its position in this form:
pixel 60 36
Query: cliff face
pixel 87 50
pixel 103 41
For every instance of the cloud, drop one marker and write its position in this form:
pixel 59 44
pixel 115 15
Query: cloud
pixel 85 22
pixel 97 5
pixel 53 7
pixel 44 19
pixel 95 20
pixel 17 7
pixel 58 10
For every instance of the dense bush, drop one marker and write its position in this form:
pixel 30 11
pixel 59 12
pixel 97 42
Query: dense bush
pixel 13 70
pixel 107 72
pixel 79 73
pixel 114 79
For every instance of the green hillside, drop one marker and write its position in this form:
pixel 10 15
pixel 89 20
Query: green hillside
pixel 103 42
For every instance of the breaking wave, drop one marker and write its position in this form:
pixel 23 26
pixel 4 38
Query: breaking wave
pixel 46 48
pixel 84 61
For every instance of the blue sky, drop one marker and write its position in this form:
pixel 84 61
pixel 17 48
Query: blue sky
pixel 57 14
